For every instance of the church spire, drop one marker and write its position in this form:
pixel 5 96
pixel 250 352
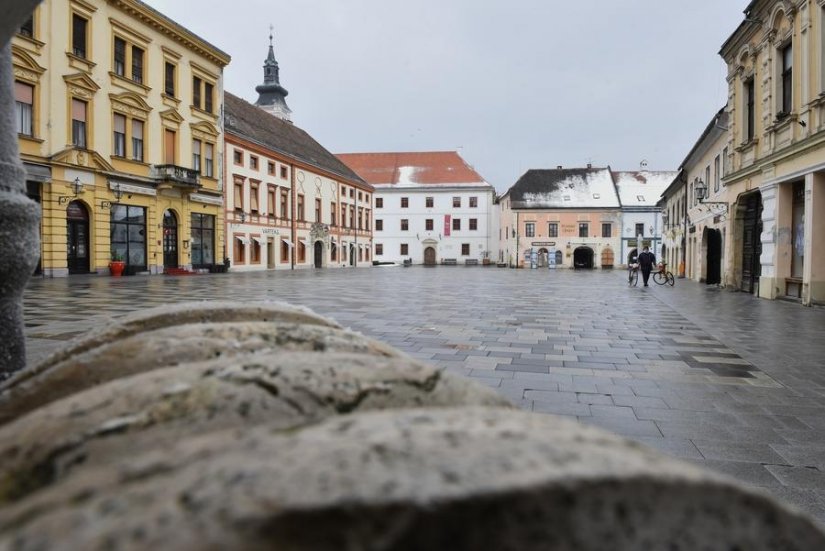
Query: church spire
pixel 271 95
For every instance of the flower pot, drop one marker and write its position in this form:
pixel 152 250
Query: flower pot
pixel 116 267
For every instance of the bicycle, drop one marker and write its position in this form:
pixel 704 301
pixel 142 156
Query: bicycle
pixel 662 276
pixel 632 275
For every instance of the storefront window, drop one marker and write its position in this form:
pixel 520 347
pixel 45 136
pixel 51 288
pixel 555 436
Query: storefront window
pixel 128 236
pixel 203 240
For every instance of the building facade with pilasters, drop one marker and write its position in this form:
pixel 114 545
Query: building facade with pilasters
pixel 776 105
pixel 117 115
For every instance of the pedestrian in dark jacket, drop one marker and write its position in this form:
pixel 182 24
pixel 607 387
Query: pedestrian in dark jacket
pixel 646 262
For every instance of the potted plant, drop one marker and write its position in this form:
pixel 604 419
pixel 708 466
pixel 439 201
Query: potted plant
pixel 117 264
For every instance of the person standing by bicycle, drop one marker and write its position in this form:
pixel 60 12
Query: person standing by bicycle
pixel 646 262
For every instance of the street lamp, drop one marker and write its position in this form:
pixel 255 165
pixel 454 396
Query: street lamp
pixel 701 190
pixel 77 187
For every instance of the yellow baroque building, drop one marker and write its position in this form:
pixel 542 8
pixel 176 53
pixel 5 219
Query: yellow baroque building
pixel 117 109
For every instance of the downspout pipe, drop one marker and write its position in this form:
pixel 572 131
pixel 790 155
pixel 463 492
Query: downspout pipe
pixel 19 232
pixel 293 209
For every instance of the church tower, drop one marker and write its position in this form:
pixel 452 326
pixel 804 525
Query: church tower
pixel 271 95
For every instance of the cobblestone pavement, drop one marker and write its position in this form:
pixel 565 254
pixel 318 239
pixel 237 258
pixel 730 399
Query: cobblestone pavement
pixel 730 382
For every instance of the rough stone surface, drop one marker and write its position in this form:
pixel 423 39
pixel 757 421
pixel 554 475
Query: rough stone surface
pixel 153 410
pixel 462 478
pixel 122 350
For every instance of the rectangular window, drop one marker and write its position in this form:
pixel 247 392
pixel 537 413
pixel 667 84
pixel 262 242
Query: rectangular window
pixel 284 204
pixel 240 251
pixel 552 229
pixel 253 162
pixel 379 249
pixel 405 249
pixel 429 202
pixel 237 157
pixel 169 80
pixel 584 229
pixel 379 202
pixel 379 224
pixel 456 202
pixel 238 197
pixel 302 252
pixel 530 229
pixel 171 140
pixel 120 56
pixel 137 140
pixel 196 155
pixel 208 97
pixel 750 107
pixel 270 168
pixel 79 26
pixel 284 252
pixel 79 123
pixel 725 161
pixel 640 230
pixel 300 213
pixel 607 230
pixel 24 108
pixel 473 202
pixel 707 179
pixel 465 249
pixel 787 79
pixel 254 205
pixel 405 224
pixel 405 202
pixel 332 216
pixel 473 223
pixel 209 161
pixel 255 251
pixel 428 224
pixel 137 64
pixel 456 224
pixel 284 173
pixel 318 210
pixel 119 145
pixel 352 217
pixel 716 171
pixel 270 201
pixel 196 92
pixel 27 28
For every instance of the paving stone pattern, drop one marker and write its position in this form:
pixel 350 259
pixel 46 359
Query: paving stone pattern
pixel 730 382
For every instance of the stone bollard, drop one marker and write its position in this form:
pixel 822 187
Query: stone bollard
pixel 300 435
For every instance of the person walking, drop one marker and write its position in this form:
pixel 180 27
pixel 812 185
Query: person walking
pixel 646 262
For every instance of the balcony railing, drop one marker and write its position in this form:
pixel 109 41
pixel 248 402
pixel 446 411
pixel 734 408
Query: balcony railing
pixel 178 174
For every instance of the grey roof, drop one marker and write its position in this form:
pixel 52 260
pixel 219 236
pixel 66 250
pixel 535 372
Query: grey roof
pixel 565 188
pixel 246 121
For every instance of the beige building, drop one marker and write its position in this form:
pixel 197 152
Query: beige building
pixel 776 183
pixel 117 113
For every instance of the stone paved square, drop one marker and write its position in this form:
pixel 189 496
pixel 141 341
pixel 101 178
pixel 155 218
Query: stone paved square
pixel 730 382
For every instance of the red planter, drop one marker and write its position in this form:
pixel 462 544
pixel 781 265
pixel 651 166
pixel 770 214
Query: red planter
pixel 116 267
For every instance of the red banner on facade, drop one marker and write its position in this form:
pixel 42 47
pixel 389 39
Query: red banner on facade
pixel 446 225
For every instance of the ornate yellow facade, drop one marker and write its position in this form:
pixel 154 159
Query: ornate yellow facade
pixel 118 119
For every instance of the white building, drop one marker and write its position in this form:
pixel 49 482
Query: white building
pixel 430 208
pixel 639 193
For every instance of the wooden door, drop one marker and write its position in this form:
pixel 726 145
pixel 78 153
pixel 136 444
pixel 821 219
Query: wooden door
pixel 77 238
pixel 752 243
pixel 319 254
pixel 429 256
pixel 170 240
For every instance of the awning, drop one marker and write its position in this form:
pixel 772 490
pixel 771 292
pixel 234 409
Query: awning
pixel 261 240
pixel 243 240
pixel 288 242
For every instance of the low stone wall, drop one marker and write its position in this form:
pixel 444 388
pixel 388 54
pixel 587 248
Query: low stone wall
pixel 221 426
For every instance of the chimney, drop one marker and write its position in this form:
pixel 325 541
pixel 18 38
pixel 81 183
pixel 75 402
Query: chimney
pixel 558 167
pixel 589 165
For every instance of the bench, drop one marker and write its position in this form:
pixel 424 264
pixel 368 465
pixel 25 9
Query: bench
pixel 471 262
pixel 449 261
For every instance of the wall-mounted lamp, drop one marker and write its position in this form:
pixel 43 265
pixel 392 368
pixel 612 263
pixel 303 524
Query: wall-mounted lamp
pixel 803 124
pixel 701 189
pixel 77 187
pixel 117 192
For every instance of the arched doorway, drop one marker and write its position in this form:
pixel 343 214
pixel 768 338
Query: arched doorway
pixel 713 262
pixel 607 258
pixel 559 258
pixel 77 234
pixel 543 258
pixel 583 258
pixel 170 240
pixel 429 256
pixel 319 254
pixel 631 256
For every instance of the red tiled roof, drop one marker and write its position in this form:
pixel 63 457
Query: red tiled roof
pixel 411 169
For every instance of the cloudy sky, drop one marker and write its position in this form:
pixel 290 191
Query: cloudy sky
pixel 511 84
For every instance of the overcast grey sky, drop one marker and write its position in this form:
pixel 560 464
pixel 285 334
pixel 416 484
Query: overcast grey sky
pixel 511 84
